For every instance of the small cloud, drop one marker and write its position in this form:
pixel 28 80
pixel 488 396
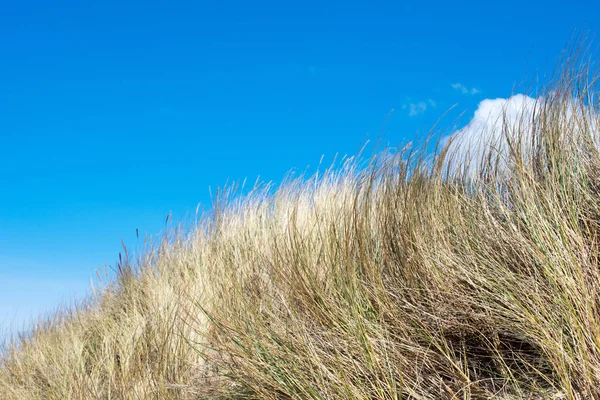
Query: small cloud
pixel 418 108
pixel 463 89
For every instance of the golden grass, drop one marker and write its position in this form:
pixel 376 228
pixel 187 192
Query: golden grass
pixel 411 277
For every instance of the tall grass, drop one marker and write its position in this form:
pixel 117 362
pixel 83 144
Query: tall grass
pixel 410 276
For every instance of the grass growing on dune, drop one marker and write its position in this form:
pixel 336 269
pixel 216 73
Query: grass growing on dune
pixel 412 277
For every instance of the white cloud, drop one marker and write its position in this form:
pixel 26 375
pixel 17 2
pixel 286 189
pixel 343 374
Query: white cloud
pixel 489 124
pixel 463 89
pixel 497 121
pixel 418 108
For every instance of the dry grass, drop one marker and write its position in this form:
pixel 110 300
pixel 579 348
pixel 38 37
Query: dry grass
pixel 408 278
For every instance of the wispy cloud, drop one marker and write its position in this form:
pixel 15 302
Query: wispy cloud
pixel 463 89
pixel 418 108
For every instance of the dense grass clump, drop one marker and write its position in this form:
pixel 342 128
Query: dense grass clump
pixel 458 274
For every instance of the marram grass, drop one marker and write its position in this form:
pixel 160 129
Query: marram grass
pixel 442 276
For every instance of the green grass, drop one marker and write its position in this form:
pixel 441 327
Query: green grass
pixel 410 276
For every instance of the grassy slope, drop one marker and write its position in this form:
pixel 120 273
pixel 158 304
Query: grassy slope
pixel 407 279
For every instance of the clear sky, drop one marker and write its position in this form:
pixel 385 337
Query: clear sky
pixel 114 113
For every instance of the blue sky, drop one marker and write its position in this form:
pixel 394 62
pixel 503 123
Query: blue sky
pixel 113 114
